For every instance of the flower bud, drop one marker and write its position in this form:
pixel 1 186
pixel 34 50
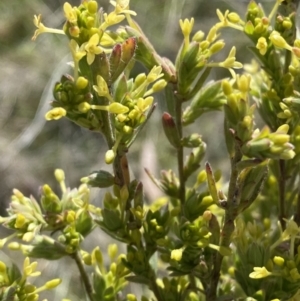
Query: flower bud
pixel 176 254
pixel 279 261
pixel 159 85
pixel 277 40
pixel 59 175
pixel 74 31
pixel 81 83
pixel 170 129
pixel 117 108
pixel 198 36
pixel 226 87
pixel 233 17
pixel 216 47
pixel 92 7
pixel 55 114
pixel 53 283
pixel 101 179
pixel 109 156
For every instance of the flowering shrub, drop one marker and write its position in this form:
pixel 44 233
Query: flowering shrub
pixel 212 240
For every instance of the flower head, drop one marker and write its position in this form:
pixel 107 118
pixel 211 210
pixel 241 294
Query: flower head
pixel 77 52
pixel 92 48
pixel 70 13
pixel 55 114
pixel 42 28
pixel 262 45
pixel 259 273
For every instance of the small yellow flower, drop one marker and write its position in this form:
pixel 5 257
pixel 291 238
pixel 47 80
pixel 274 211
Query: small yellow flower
pixel 101 88
pixel 144 103
pixel 262 45
pixel 122 6
pixel 292 229
pixel 278 41
pixel 53 283
pixel 117 108
pixel 234 17
pixel 92 48
pixel 55 114
pixel 42 28
pixel 20 221
pixel 109 156
pixel 259 273
pixel 70 13
pixel 29 269
pixel 177 254
pixel 186 26
pixel 154 74
pixel 77 53
pixel 111 19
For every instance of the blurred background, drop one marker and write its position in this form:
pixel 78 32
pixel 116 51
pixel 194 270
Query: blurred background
pixel 31 148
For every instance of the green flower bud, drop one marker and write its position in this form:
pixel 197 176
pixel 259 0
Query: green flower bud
pixel 87 258
pixel 92 7
pixel 249 28
pixel 216 47
pixel 198 36
pixel 177 254
pixel 52 283
pixel 127 129
pixel 112 251
pixel 226 87
pixel 170 129
pixel 81 83
pixel 278 41
pixel 159 85
pixel 55 113
pixel 212 34
pixel 101 179
pixel 117 108
pixel 32 297
pixel 109 156
pixel 59 175
pixel 74 31
pixel 243 83
pixel 29 288
pixel 287 24
pixel 279 261
pixel 233 17
pixel 84 224
pixel 2 267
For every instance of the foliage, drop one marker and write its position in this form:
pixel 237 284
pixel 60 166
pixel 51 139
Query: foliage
pixel 206 239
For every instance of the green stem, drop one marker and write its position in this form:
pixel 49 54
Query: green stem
pixel 281 187
pixel 297 214
pixel 231 212
pixel 155 289
pixel 109 134
pixel 180 152
pixel 84 276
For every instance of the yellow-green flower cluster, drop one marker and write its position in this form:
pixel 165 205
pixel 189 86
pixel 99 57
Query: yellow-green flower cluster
pixel 265 144
pixel 86 26
pixel 195 55
pixel 108 281
pixel 71 214
pixel 130 103
pixel 14 285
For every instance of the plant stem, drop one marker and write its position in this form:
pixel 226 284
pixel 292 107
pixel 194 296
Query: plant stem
pixel 180 153
pixel 109 134
pixel 281 184
pixel 154 287
pixel 297 214
pixel 84 276
pixel 231 212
